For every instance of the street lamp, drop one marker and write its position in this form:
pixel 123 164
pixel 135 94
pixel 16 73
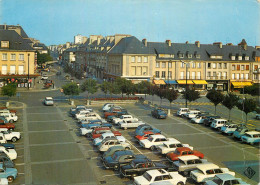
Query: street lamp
pixel 28 70
pixel 186 86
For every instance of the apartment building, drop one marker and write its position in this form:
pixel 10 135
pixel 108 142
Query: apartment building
pixel 17 59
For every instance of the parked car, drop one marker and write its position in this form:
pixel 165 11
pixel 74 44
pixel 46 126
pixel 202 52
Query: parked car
pixel 111 151
pixel 11 153
pixel 9 173
pixel 145 135
pixel 107 106
pixel 159 114
pixel 97 132
pixel 207 122
pixel 130 124
pixel 4 159
pixel 199 118
pixel 104 146
pixel 185 164
pixel 205 172
pixel 225 179
pixel 125 117
pixel 116 115
pixel 48 101
pixel 10 110
pixel 9 126
pixel 44 77
pixel 106 135
pixel 183 151
pixel 251 137
pixel 9 116
pixel 240 132
pixel 171 146
pixel 139 166
pixel 182 111
pixel 83 112
pixel 88 117
pixel 218 123
pixel 86 129
pixel 153 141
pixel 121 158
pixel 3 181
pixel 192 114
pixel 229 129
pixel 7 145
pixel 113 111
pixel 10 135
pixel 144 128
pixel 161 175
pixel 74 111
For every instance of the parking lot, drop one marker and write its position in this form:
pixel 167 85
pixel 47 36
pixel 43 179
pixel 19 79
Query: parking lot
pixel 51 150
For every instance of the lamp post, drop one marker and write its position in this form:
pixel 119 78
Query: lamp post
pixel 168 73
pixel 28 70
pixel 186 86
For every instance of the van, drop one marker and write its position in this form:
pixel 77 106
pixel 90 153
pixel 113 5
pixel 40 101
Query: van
pixel 182 111
pixel 218 123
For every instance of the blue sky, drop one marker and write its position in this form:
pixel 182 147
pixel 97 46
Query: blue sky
pixel 57 21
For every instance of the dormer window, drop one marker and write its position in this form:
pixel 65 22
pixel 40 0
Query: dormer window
pixel 239 57
pixel 246 57
pixel 181 55
pixel 189 55
pixel 197 55
pixel 233 57
pixel 5 44
pixel 216 56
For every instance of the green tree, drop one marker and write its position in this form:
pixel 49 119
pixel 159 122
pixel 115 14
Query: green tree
pixel 42 58
pixel 253 90
pixel 191 95
pixel 152 90
pixel 9 90
pixel 230 101
pixel 171 95
pixel 161 93
pixel 71 89
pixel 247 106
pixel 90 86
pixel 105 87
pixel 113 88
pixel 126 86
pixel 215 97
pixel 143 87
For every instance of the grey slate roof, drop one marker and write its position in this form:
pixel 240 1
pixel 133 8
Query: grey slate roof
pixel 16 42
pixel 131 45
pixel 9 27
pixel 71 49
pixel 40 45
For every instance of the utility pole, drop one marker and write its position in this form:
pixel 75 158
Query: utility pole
pixel 28 70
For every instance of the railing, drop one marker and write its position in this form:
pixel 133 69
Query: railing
pixel 216 78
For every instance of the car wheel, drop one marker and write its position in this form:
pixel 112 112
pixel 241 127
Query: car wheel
pixel 116 167
pixel 10 178
pixel 180 183
pixel 152 148
pixel 14 139
pixel 127 148
pixel 11 129
pixel 11 121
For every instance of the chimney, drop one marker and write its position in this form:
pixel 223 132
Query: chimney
pixel 218 43
pixel 243 44
pixel 98 40
pixel 144 42
pixel 168 42
pixel 229 44
pixel 187 42
pixel 257 47
pixel 197 43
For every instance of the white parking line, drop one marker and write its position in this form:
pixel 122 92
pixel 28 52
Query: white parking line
pixel 116 174
pixel 47 144
pixel 19 164
pixel 46 121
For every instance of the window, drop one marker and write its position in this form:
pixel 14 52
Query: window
pixel 13 56
pixel 181 55
pixel 238 67
pixel 193 65
pixel 189 55
pixel 139 59
pixel 242 67
pixel 242 76
pixel 5 44
pixel 225 65
pixel 182 65
pixel 133 59
pixel 144 70
pixel 219 65
pixel 214 65
pixel 233 76
pixel 246 57
pixel 145 59
pixel 233 57
pixel 4 56
pixel 133 71
pixel 12 69
pixel 163 64
pixel 157 64
pixel 138 71
pixel 209 74
pixel 169 74
pixel 4 69
pixel 170 64
pixel 193 74
pixel 209 65
pixel 214 75
pixel 198 75
pixel 197 55
pixel 233 67
pixel 21 57
pixel 182 75
pixel 246 76
pixel 188 75
pixel 199 65
pixel 247 67
pixel 224 75
pixel 239 57
pixel 163 74
pixel 157 74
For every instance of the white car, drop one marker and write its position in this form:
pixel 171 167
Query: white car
pixel 124 118
pixel 104 146
pixel 192 114
pixel 198 119
pixel 106 135
pixel 130 124
pixel 89 116
pixel 107 106
pixel 154 140
pixel 218 123
pixel 10 117
pixel 48 101
pixel 11 153
pixel 10 135
pixel 3 181
pixel 44 77
pixel 229 128
pixel 182 111
pixel 205 172
pixel 156 176
pixel 170 146
pixel 82 113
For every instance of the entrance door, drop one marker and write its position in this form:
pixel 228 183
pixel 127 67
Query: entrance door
pixel 20 72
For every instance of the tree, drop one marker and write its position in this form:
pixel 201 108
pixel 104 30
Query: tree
pixel 230 101
pixel 191 95
pixel 71 89
pixel 9 90
pixel 90 86
pixel 161 93
pixel 247 106
pixel 253 90
pixel 215 97
pixel 143 87
pixel 113 88
pixel 42 58
pixel 171 95
pixel 126 86
pixel 105 87
pixel 152 90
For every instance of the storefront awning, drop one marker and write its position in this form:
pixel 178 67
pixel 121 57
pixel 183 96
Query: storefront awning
pixel 200 82
pixel 239 85
pixel 189 82
pixel 170 82
pixel 159 82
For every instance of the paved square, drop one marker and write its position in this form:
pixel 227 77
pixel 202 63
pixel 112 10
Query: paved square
pixel 51 125
pixel 50 137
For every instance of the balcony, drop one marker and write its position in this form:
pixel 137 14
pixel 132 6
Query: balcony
pixel 216 78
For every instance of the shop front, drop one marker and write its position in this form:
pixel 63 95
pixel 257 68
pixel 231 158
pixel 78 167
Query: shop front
pixel 21 80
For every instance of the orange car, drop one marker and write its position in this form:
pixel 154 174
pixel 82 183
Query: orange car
pixel 182 151
pixel 145 135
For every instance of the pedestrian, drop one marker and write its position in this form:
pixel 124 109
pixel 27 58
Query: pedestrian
pixel 53 85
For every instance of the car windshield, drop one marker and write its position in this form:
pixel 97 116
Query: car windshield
pixel 147 176
pixel 247 135
pixel 217 180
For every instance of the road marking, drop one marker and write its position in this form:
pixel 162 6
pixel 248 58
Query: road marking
pixel 59 161
pixel 46 121
pixel 42 131
pixel 19 164
pixel 116 174
pixel 47 144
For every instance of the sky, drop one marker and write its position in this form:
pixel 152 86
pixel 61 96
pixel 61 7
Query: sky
pixel 207 21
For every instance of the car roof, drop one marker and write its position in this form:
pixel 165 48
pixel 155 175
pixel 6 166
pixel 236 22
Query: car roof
pixel 183 149
pixel 124 152
pixel 220 120
pixel 141 160
pixel 188 157
pixel 49 98
pixel 3 129
pixel 253 132
pixel 158 136
pixel 108 134
pixel 225 176
pixel 102 128
pixel 156 172
pixel 204 167
pixel 172 141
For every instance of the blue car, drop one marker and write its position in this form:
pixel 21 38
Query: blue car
pixel 239 132
pixel 142 128
pixel 9 173
pixel 251 137
pixel 223 179
pixel 92 125
pixel 159 114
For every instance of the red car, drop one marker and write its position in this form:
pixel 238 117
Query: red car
pixel 111 112
pixel 9 126
pixel 145 135
pixel 11 110
pixel 182 151
pixel 97 132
